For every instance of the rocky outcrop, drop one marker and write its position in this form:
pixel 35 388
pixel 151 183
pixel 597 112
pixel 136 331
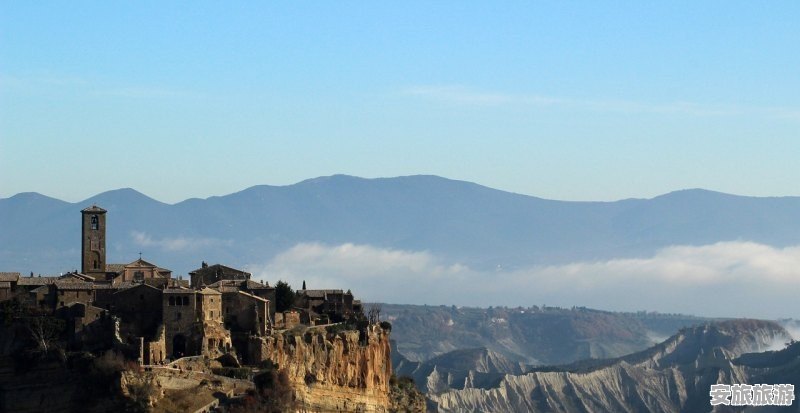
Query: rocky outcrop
pixel 673 376
pixel 329 372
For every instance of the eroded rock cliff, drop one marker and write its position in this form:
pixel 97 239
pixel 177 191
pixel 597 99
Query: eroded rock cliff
pixel 673 376
pixel 329 372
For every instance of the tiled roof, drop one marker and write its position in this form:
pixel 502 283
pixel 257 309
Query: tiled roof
pixel 23 281
pixel 117 268
pixel 215 267
pixel 178 291
pixel 141 263
pixel 207 290
pixel 319 293
pixel 255 285
pixel 77 276
pixel 125 285
pixel 9 276
pixel 94 208
pixel 227 288
pixel 73 285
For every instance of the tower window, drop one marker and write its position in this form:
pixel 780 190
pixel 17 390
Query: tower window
pixel 95 224
pixel 95 264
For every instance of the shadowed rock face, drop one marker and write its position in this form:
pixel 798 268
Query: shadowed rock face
pixel 673 376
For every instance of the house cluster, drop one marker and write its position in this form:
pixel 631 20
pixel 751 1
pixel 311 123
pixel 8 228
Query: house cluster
pixel 142 309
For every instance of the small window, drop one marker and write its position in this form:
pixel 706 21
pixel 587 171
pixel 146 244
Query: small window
pixel 95 264
pixel 212 314
pixel 185 300
pixel 171 300
pixel 95 223
pixel 178 317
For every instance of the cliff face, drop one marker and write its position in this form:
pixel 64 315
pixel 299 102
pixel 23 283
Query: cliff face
pixel 673 376
pixel 333 372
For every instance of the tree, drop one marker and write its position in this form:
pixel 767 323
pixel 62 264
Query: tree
pixel 374 314
pixel 284 296
pixel 304 284
pixel 44 331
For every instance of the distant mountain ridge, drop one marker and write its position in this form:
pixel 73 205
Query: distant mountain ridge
pixel 459 221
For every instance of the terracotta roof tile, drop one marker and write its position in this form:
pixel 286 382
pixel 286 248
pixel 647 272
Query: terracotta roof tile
pixel 9 276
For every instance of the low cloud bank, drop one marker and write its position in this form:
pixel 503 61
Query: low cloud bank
pixel 176 244
pixel 727 279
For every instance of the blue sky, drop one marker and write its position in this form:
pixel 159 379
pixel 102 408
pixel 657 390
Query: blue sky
pixel 563 100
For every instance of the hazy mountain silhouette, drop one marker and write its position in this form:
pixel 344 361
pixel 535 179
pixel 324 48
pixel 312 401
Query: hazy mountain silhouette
pixel 460 221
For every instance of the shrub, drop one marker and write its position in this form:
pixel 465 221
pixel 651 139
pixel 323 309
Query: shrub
pixel 233 372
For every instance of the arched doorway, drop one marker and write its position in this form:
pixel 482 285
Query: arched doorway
pixel 178 346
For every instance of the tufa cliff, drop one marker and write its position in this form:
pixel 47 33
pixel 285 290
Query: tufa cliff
pixel 332 371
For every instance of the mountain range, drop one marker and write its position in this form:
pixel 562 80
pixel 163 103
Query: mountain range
pixel 461 221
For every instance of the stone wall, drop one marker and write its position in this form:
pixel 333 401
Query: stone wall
pixel 332 372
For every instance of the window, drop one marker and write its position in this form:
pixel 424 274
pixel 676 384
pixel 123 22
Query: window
pixel 185 300
pixel 178 316
pixel 171 300
pixel 95 223
pixel 138 275
pixel 211 314
pixel 95 264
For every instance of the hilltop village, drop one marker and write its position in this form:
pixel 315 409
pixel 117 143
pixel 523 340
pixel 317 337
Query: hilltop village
pixel 207 341
pixel 157 317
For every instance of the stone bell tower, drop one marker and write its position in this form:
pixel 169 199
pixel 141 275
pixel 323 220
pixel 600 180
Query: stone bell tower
pixel 93 242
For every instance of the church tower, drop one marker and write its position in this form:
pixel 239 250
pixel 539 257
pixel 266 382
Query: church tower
pixel 93 242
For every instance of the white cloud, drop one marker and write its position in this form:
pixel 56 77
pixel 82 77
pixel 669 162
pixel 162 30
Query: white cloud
pixel 464 96
pixel 177 243
pixel 736 279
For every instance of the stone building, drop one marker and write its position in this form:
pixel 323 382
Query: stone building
pixel 245 313
pixel 8 284
pixel 193 322
pixel 335 304
pixel 62 293
pixel 138 271
pixel 209 274
pixel 140 309
pixel 262 290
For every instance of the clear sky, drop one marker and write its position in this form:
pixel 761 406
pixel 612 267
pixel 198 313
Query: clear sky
pixel 563 100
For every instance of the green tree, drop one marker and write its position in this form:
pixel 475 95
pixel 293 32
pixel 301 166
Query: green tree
pixel 284 296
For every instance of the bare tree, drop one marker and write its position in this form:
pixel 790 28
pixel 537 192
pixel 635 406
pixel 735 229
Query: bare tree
pixel 374 314
pixel 44 331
